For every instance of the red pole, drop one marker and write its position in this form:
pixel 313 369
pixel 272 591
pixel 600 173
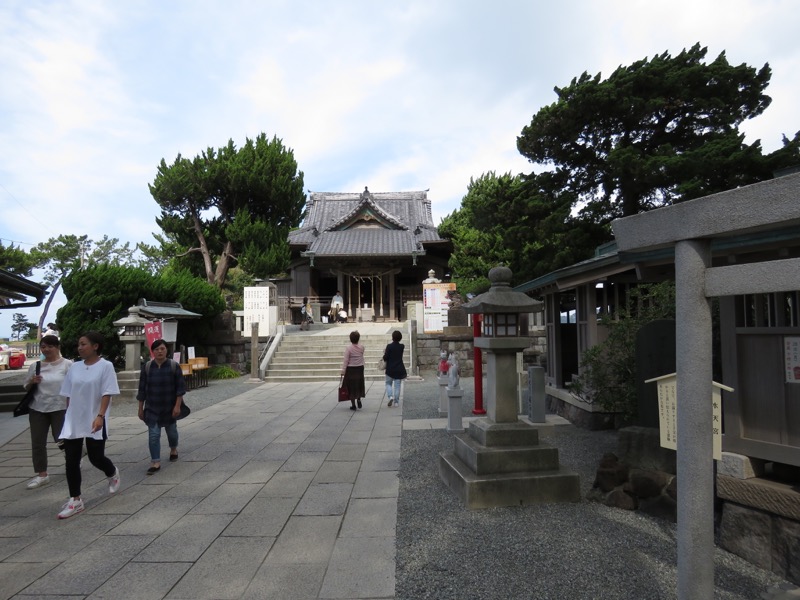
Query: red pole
pixel 478 366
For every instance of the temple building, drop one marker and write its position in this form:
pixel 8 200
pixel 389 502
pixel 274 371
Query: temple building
pixel 375 248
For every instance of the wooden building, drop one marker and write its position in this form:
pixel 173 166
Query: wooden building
pixel 376 248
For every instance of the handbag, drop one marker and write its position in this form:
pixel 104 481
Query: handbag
pixel 185 411
pixel 23 408
pixel 344 393
pixel 381 365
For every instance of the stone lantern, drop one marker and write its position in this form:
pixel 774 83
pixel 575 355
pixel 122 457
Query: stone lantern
pixel 502 308
pixel 499 461
pixel 132 335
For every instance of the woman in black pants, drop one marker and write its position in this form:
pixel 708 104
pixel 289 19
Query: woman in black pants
pixel 88 387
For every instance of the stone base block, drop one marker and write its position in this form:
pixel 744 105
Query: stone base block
pixel 507 489
pixel 489 433
pixel 128 386
pixel 483 460
pixel 739 466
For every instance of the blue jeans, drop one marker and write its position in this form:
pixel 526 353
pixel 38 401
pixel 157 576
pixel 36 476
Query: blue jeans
pixel 154 439
pixel 396 383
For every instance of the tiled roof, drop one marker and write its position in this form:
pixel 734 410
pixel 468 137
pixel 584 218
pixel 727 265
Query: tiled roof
pixel 366 224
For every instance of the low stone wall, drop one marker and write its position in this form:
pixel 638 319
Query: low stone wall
pixel 756 518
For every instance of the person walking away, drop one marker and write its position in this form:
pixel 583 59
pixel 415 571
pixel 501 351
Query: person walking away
pixel 47 409
pixel 307 314
pixel 161 391
pixel 88 388
pixel 395 369
pixel 337 304
pixel 353 370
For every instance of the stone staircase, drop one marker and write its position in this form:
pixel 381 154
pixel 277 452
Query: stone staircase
pixel 317 355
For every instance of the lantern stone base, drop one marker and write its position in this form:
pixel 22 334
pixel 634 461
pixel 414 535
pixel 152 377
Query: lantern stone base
pixel 504 465
pixel 128 386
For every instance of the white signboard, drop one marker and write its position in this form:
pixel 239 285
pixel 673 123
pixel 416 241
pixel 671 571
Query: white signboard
pixel 668 413
pixel 256 309
pixel 434 306
pixel 791 358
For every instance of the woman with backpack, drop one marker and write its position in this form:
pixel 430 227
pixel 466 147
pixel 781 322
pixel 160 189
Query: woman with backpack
pixel 161 391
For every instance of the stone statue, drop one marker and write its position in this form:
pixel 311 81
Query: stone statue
pixel 452 372
pixel 444 366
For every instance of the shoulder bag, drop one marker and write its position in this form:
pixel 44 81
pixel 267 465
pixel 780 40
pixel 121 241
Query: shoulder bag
pixel 23 408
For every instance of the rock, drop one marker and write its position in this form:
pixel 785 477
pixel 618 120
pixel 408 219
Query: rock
pixel 647 483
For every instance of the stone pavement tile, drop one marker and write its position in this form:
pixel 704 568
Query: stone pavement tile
pixel 171 473
pixel 155 518
pixel 224 571
pixel 229 461
pixel 229 498
pixel 287 484
pixel 186 540
pixel 12 545
pixel 337 472
pixel 319 443
pixel 355 437
pixel 204 453
pixel 305 540
pixel 370 517
pixel 16 577
pixel 264 517
pixel 61 539
pixel 381 461
pixel 277 451
pixel 88 569
pixel 131 501
pixel 361 568
pixel 259 471
pixel 324 499
pixel 383 444
pixel 376 484
pixel 141 581
pixel 291 437
pixel 304 461
pixel 201 484
pixel 287 582
pixel 9 482
pixel 347 451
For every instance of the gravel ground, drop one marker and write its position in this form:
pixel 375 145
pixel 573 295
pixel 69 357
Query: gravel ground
pixel 549 551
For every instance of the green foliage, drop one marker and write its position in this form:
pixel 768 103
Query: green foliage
pixel 656 132
pixel 15 260
pixel 223 372
pixel 522 222
pixel 608 370
pixel 99 295
pixel 228 207
pixel 234 286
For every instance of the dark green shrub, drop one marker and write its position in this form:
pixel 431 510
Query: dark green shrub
pixel 223 372
pixel 608 370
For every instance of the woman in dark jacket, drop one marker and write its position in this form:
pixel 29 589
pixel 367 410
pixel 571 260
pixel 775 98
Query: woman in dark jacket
pixel 395 369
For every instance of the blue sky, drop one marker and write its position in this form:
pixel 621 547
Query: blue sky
pixel 395 96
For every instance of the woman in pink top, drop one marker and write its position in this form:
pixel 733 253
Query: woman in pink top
pixel 353 370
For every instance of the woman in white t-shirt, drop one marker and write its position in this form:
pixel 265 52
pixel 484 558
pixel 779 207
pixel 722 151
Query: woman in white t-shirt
pixel 48 406
pixel 88 387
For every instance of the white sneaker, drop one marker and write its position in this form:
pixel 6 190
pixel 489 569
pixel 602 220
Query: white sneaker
pixel 113 482
pixel 72 507
pixel 38 482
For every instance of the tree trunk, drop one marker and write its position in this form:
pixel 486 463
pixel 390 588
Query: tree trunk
pixel 223 265
pixel 47 306
pixel 201 239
